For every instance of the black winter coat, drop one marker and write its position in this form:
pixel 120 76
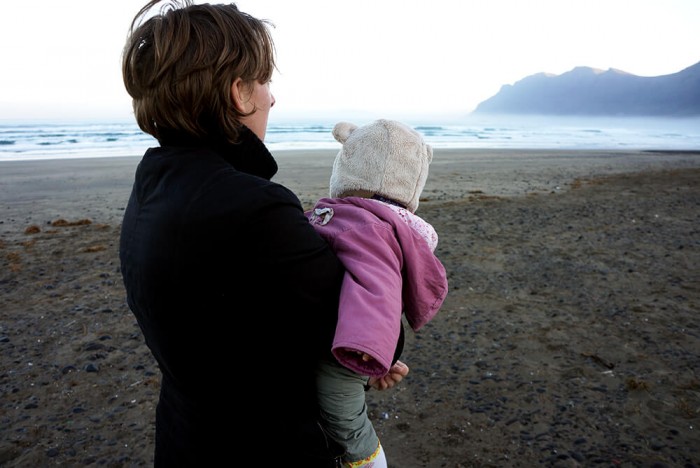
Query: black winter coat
pixel 237 297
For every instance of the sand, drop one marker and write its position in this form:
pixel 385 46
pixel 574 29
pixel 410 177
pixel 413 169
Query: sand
pixel 570 337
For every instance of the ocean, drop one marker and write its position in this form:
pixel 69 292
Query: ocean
pixel 37 140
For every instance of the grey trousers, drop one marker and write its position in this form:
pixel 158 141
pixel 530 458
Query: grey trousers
pixel 341 396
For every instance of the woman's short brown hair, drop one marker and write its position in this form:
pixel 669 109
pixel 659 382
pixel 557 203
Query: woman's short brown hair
pixel 179 65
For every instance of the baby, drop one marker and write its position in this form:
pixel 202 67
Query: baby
pixel 391 272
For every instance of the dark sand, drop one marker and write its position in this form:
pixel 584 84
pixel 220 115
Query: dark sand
pixel 570 337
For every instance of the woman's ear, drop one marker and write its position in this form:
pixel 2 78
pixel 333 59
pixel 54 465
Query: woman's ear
pixel 240 95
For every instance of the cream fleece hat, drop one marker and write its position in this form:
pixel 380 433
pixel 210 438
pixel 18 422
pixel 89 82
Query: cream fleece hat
pixel 385 158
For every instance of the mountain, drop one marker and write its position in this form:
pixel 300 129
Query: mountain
pixel 589 91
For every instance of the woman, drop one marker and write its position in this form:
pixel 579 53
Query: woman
pixel 226 277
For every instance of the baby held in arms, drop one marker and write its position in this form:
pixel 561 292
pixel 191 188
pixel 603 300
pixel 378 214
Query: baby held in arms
pixel 391 272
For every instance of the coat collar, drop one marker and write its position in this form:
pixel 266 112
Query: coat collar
pixel 249 154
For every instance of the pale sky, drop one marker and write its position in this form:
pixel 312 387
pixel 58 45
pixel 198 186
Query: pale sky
pixel 385 58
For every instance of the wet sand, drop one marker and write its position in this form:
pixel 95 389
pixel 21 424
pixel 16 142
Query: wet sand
pixel 570 337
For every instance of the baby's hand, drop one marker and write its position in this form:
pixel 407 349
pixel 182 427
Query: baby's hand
pixel 395 375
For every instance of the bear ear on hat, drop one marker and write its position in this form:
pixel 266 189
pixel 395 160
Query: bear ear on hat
pixel 342 131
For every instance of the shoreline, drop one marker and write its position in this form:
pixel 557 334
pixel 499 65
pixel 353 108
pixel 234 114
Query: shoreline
pixel 36 192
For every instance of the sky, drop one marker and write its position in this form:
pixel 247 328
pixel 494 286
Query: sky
pixel 379 58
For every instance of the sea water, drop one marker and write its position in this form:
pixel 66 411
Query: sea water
pixel 54 140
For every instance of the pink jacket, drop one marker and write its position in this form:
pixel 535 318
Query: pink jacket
pixel 390 269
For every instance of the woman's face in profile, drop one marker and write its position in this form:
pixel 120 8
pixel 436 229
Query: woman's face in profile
pixel 260 100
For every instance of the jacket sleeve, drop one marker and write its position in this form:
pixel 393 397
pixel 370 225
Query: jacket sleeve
pixel 304 273
pixel 369 315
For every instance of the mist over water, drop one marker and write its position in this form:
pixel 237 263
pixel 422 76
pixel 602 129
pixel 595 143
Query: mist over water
pixel 55 140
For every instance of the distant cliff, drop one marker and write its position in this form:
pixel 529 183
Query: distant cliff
pixel 588 91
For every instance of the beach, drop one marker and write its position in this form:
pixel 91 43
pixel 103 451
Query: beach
pixel 570 335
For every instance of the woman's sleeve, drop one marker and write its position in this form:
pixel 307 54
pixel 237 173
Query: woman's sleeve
pixel 302 271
